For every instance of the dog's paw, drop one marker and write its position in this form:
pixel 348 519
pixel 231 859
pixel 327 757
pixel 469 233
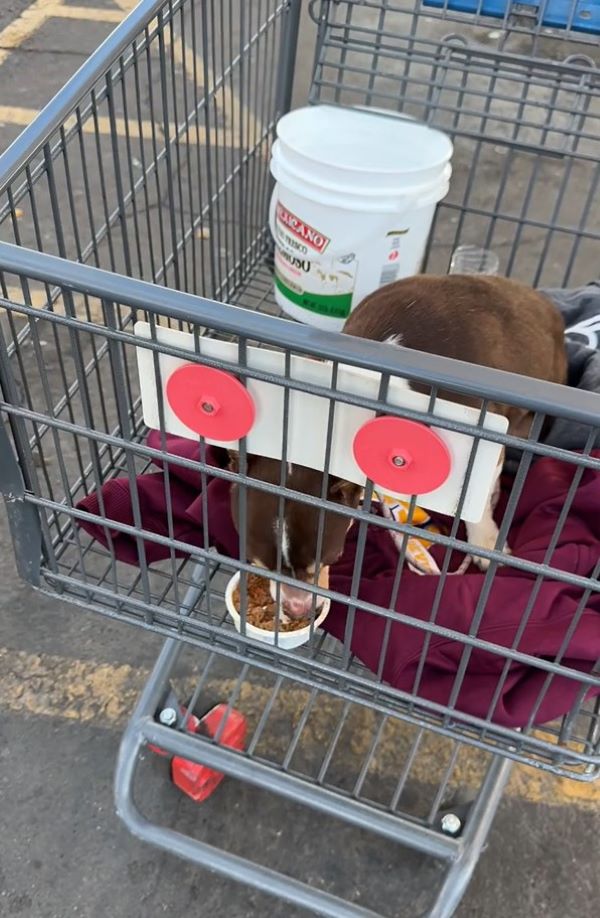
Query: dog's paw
pixel 484 563
pixel 484 535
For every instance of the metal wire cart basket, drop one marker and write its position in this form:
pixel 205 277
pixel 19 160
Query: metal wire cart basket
pixel 141 194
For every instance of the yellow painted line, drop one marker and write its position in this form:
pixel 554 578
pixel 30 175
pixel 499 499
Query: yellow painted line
pixel 126 5
pixel 39 300
pixel 38 297
pixel 225 98
pixel 24 26
pixel 102 694
pixel 14 114
pixel 11 114
pixel 86 13
pixel 35 16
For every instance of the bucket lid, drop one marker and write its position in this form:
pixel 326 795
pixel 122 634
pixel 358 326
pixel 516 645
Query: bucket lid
pixel 362 141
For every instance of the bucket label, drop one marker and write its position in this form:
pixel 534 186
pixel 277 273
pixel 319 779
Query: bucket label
pixel 298 235
pixel 325 286
pixel 391 266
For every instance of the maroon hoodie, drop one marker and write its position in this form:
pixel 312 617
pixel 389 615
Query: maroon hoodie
pixel 556 603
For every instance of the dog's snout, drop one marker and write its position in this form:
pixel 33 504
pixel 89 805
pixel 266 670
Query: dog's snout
pixel 297 603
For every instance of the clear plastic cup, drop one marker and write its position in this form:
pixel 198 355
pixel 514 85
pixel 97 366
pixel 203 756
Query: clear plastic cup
pixel 471 259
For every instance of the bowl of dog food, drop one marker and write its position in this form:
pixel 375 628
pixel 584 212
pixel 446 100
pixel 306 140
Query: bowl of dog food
pixel 262 611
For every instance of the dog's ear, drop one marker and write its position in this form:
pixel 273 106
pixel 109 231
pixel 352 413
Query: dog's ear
pixel 233 463
pixel 226 458
pixel 233 460
pixel 220 456
pixel 346 492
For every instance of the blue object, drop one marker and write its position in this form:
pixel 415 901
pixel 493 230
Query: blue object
pixel 577 15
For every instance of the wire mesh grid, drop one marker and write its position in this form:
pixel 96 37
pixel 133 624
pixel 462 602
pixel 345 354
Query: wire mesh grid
pixel 95 433
pixel 511 27
pixel 159 171
pixel 148 174
pixel 347 747
pixel 530 25
pixel 520 123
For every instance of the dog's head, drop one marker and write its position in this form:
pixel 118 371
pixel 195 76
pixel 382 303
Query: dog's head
pixel 295 532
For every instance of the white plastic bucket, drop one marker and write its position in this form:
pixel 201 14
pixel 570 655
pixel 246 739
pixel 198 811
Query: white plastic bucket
pixel 353 205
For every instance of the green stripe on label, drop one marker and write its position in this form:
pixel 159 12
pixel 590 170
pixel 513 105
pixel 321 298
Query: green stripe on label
pixel 337 306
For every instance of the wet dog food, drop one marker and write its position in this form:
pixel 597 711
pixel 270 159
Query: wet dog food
pixel 261 608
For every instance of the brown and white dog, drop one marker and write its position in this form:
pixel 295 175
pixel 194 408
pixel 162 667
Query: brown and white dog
pixel 489 321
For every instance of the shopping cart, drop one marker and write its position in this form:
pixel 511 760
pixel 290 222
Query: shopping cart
pixel 141 193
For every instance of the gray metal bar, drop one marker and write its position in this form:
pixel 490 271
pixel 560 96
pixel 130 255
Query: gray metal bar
pixel 512 561
pixel 171 649
pixel 166 129
pixel 293 788
pixel 471 430
pixel 229 865
pixel 534 395
pixel 477 828
pixel 174 842
pixel 358 690
pixel 60 107
pixel 23 517
pixel 287 56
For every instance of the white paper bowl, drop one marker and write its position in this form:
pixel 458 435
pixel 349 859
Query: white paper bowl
pixel 286 639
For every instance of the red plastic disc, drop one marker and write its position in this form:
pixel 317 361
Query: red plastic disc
pixel 199 781
pixel 211 402
pixel 402 456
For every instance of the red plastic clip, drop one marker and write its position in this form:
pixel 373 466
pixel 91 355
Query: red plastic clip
pixel 199 781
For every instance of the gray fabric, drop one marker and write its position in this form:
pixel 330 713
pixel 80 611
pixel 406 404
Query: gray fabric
pixel 581 311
